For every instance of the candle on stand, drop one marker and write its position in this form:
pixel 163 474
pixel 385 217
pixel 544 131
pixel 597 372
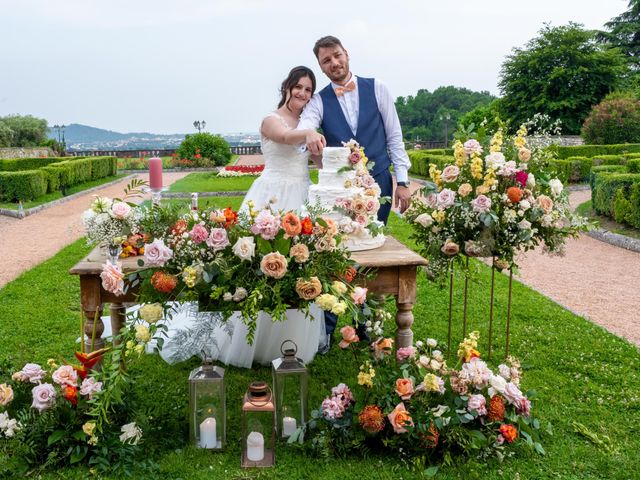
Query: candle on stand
pixel 288 426
pixel 155 173
pixel 208 433
pixel 255 447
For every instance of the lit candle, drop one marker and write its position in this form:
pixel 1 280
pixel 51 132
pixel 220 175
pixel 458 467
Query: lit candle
pixel 288 426
pixel 208 432
pixel 255 446
pixel 155 173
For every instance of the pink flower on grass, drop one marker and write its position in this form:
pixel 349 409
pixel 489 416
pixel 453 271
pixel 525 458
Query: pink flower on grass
pixel 405 352
pixel 332 408
pixel 156 253
pixel 342 393
pixel 478 404
pixel 198 234
pixel 90 386
pixel 218 239
pixel 524 406
pixel 112 278
pixel 512 393
pixel 65 375
pixel 349 336
pixel 32 373
pixel 44 396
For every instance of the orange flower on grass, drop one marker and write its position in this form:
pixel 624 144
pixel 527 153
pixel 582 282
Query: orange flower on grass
pixel 471 353
pixel 71 394
pixel 496 409
pixel 291 225
pixel 371 419
pixel 509 432
pixel 404 388
pixel 349 336
pixel 400 418
pixel 163 282
pixel 382 347
pixel 514 194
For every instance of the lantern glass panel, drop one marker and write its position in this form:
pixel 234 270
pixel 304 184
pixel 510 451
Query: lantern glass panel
pixel 290 380
pixel 258 429
pixel 207 407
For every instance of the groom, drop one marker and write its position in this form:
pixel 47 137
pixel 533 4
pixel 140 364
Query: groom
pixel 362 109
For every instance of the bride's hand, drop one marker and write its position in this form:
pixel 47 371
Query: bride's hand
pixel 315 142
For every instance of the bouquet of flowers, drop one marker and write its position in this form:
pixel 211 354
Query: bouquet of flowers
pixel 489 203
pixel 410 400
pixel 256 260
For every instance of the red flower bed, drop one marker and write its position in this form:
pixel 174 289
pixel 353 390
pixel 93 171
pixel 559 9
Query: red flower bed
pixel 245 168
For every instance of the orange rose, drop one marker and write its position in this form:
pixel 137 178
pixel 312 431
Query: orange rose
pixel 291 225
pixel 514 194
pixel 509 432
pixel 299 252
pixel 307 226
pixel 308 289
pixel 404 388
pixel 400 418
pixel 349 274
pixel 71 394
pixel 382 347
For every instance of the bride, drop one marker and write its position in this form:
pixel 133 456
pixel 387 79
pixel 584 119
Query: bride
pixel 284 185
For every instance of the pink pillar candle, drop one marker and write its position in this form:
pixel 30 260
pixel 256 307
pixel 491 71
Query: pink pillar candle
pixel 155 173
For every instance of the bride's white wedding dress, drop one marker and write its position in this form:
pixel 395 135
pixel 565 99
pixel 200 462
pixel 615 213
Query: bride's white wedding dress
pixel 285 183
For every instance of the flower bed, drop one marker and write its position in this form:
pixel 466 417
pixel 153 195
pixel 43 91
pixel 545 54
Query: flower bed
pixel 240 170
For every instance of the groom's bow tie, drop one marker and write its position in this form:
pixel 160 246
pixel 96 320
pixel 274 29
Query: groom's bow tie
pixel 349 87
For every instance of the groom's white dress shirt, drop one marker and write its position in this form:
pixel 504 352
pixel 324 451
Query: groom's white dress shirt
pixel 311 119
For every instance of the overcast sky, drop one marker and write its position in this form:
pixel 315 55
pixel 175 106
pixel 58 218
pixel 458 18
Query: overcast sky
pixel 157 65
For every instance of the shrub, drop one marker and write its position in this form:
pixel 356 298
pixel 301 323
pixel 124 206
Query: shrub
pixel 614 120
pixel 24 185
pixel 622 207
pixel 609 159
pixel 572 169
pixel 420 160
pixel 604 169
pixel 633 165
pixel 593 150
pixel 634 216
pixel 18 164
pixel 203 147
pixel 605 187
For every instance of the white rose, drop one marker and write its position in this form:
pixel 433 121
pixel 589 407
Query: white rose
pixel 240 294
pixel 424 219
pixel 531 181
pixel 244 248
pixel 494 160
pixel 432 342
pixel 437 354
pixel 120 210
pixel 556 187
pixel 497 384
pixel 505 371
pixel 525 205
pixel 524 225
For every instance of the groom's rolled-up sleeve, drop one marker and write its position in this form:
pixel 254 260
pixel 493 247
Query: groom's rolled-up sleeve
pixel 393 130
pixel 311 117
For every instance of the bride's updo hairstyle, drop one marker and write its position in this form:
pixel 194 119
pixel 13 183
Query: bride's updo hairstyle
pixel 292 80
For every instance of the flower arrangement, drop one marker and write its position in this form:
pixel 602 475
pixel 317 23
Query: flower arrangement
pixel 251 261
pixel 490 203
pixel 240 170
pixel 411 401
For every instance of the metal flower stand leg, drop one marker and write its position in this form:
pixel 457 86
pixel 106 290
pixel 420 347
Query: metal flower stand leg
pixel 509 298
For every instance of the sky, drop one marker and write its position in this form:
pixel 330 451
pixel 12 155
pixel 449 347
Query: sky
pixel 157 65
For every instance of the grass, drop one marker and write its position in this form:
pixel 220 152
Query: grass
pixel 210 182
pixel 586 210
pixel 581 373
pixel 50 197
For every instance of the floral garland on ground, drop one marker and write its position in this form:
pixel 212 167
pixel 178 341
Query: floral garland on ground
pixel 492 205
pixel 411 401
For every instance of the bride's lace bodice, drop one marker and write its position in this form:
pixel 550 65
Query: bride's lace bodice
pixel 284 162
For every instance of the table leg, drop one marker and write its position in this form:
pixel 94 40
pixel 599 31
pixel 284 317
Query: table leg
pixel 118 314
pixel 404 301
pixel 92 308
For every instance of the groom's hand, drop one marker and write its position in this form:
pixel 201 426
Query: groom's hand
pixel 315 142
pixel 402 198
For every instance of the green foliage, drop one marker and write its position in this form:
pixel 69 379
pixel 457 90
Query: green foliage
pixel 25 185
pixel 206 149
pixel 421 159
pixel 488 114
pixel 612 121
pixel 572 169
pixel 420 114
pixel 605 169
pixel 23 131
pixel 596 150
pixel 609 159
pixel 17 164
pixel 605 188
pixel 623 33
pixel 562 72
pixel 633 165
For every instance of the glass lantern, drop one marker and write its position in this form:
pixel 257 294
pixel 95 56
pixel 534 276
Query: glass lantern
pixel 291 387
pixel 258 427
pixel 207 409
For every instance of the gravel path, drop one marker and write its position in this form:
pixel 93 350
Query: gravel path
pixel 593 279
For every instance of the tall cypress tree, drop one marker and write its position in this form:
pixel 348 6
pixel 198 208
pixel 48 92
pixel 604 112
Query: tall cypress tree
pixel 623 32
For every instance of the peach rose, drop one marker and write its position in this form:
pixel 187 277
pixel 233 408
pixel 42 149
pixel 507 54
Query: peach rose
pixel 545 203
pixel 404 388
pixel 299 252
pixel 400 418
pixel 274 265
pixel 450 173
pixel 291 225
pixel 65 375
pixel 524 154
pixel 6 394
pixel 450 248
pixel 359 206
pixel 308 289
pixel 349 336
pixel 382 347
pixel 465 189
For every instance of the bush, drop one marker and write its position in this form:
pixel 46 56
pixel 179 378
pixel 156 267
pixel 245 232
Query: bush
pixel 572 169
pixel 420 160
pixel 612 121
pixel 18 164
pixel 633 165
pixel 605 187
pixel 609 160
pixel 593 150
pixel 207 149
pixel 25 185
pixel 605 169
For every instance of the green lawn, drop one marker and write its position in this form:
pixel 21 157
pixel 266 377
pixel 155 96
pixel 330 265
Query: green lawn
pixel 50 197
pixel 210 182
pixel 586 210
pixel 581 373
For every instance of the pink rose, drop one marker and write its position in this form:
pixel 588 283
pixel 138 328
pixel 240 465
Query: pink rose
pixel 120 210
pixel 431 201
pixel 524 154
pixel 446 198
pixel 266 225
pixel 156 253
pixel 218 239
pixel 368 181
pixel 472 146
pixel 348 336
pixel 32 372
pixel 359 295
pixel 524 407
pixel 65 375
pixel 198 234
pixel 478 404
pixel 354 157
pixel 450 248
pixel 372 206
pixel 112 278
pixel 450 173
pixel 405 352
pixel 545 203
pixel 274 265
pixel 481 204
pixel 404 388
pixel 44 396
pixel 90 386
pixel 512 393
pixel 362 219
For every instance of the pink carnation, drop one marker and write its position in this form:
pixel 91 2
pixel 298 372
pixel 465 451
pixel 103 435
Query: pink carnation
pixel 332 408
pixel 198 234
pixel 342 393
pixel 90 386
pixel 112 278
pixel 266 225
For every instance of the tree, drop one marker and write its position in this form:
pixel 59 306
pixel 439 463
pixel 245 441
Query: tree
pixel 6 135
pixel 203 146
pixel 489 115
pixel 614 120
pixel 425 114
pixel 562 73
pixel 623 32
pixel 28 131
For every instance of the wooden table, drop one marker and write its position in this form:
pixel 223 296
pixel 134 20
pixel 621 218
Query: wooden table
pixel 395 266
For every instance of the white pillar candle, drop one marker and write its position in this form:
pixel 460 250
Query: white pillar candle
pixel 208 433
pixel 255 446
pixel 288 426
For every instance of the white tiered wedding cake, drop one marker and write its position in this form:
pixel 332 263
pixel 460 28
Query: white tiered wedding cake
pixel 346 188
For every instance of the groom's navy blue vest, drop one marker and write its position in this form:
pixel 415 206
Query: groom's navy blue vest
pixel 371 134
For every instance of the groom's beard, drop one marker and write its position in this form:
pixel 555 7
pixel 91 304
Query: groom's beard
pixel 341 75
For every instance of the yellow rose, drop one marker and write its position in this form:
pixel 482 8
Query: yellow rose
pixel 339 287
pixel 142 334
pixel 326 301
pixel 151 312
pixel 339 308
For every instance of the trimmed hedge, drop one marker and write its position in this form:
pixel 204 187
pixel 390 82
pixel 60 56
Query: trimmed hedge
pixel 605 169
pixel 609 159
pixel 616 195
pixel 21 164
pixel 595 150
pixel 31 184
pixel 633 165
pixel 420 160
pixel 572 169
